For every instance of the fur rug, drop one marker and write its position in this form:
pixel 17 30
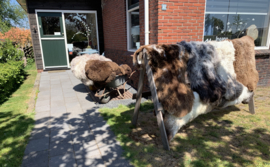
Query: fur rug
pixel 245 64
pixel 174 94
pixel 225 70
pixel 103 72
pixel 78 66
pixel 210 70
pixel 201 69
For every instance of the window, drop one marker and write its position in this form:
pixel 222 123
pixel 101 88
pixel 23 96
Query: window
pixel 133 25
pixel 229 19
pixel 51 25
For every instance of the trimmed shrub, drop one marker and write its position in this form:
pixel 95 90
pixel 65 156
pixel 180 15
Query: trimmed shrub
pixel 9 52
pixel 11 76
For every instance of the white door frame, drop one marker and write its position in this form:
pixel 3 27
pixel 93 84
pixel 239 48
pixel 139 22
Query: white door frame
pixel 64 27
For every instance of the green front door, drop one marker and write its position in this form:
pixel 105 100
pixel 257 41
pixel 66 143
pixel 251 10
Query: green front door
pixel 52 39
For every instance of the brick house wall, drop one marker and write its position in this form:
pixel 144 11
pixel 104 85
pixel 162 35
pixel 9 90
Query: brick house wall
pixel 183 20
pixel 115 32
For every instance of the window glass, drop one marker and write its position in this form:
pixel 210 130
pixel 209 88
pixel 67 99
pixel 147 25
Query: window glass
pixel 133 3
pixel 51 25
pixel 134 29
pixel 229 19
pixel 81 33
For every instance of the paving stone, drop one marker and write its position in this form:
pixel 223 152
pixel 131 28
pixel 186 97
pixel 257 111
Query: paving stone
pixel 38 133
pixel 42 115
pixel 37 145
pixel 73 107
pixel 100 126
pixel 90 162
pixel 57 93
pixel 69 94
pixel 71 99
pixel 77 124
pixel 93 117
pixel 40 159
pixel 59 125
pixel 44 93
pixel 86 150
pixel 40 103
pixel 106 138
pixel 44 97
pixel 58 110
pixel 61 135
pixel 66 160
pixel 111 152
pixel 56 103
pixel 83 136
pixel 57 97
pixel 42 108
pixel 60 148
pixel 44 88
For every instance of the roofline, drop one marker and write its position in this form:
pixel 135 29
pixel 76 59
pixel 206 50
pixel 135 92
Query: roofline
pixel 23 4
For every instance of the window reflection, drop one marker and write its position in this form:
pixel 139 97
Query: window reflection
pixel 229 19
pixel 134 29
pixel 50 25
pixel 81 32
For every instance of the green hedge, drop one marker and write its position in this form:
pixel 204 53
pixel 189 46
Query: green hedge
pixel 11 75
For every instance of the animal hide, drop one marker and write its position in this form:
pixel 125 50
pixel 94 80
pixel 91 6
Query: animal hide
pixel 78 66
pixel 103 72
pixel 201 69
pixel 168 63
pixel 211 72
pixel 245 64
pixel 225 70
pixel 127 70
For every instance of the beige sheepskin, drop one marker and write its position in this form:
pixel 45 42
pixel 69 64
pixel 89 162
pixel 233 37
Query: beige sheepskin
pixel 245 64
pixel 78 66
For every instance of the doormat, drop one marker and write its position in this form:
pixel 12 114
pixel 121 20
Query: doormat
pixel 55 71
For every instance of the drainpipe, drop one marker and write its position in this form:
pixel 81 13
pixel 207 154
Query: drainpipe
pixel 146 22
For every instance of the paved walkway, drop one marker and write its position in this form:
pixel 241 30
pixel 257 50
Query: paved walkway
pixel 69 130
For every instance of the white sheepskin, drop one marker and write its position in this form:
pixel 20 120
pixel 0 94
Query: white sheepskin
pixel 78 66
pixel 226 53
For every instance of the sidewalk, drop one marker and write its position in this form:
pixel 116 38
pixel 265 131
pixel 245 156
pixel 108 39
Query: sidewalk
pixel 69 130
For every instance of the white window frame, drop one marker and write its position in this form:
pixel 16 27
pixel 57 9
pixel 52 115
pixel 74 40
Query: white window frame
pixel 128 26
pixel 256 47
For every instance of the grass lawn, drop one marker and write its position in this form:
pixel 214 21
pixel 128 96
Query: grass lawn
pixel 229 137
pixel 15 123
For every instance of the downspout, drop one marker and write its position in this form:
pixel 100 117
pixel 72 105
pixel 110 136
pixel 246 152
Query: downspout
pixel 146 22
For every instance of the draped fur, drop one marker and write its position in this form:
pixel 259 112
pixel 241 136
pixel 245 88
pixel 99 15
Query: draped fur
pixel 201 69
pixel 225 70
pixel 168 63
pixel 245 64
pixel 210 70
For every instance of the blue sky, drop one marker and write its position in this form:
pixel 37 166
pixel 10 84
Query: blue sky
pixel 26 23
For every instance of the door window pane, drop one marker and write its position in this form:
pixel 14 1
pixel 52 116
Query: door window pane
pixel 134 29
pixel 229 19
pixel 133 3
pixel 51 25
pixel 81 32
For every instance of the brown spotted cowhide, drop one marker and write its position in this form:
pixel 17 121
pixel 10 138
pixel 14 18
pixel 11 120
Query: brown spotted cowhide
pixel 169 63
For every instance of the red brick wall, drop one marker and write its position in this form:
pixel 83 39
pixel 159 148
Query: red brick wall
pixel 183 20
pixel 114 24
pixel 263 67
pixel 115 33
